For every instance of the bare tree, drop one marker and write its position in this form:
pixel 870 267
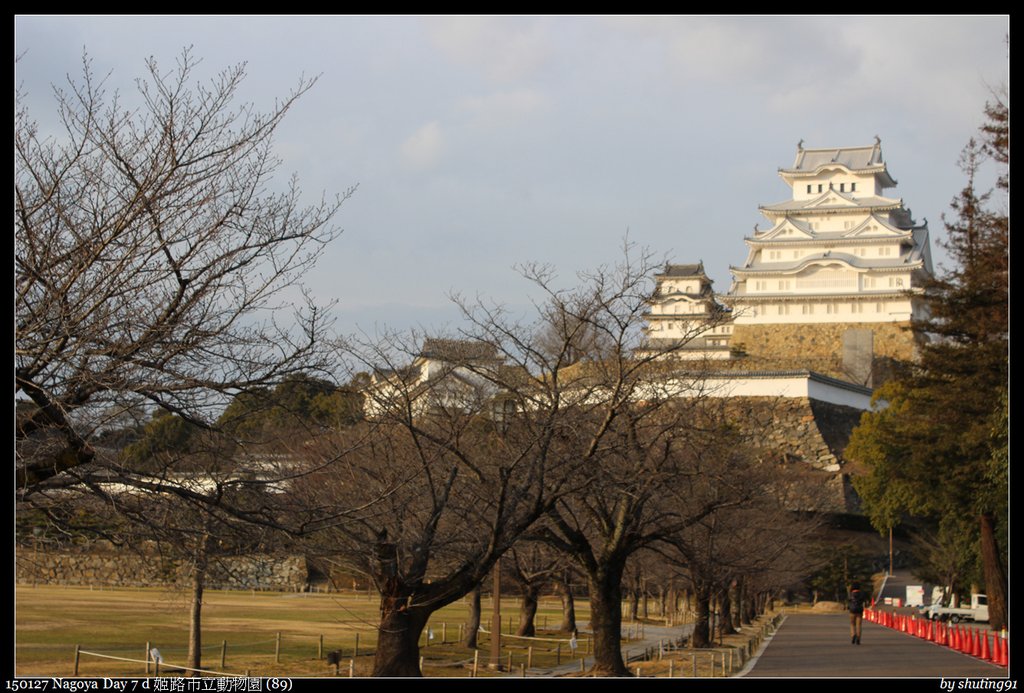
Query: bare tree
pixel 187 509
pixel 653 452
pixel 470 440
pixel 756 498
pixel 154 262
pixel 531 568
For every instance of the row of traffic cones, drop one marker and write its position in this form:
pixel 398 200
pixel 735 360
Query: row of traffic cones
pixel 970 641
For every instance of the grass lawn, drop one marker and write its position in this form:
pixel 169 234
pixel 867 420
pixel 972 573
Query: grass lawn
pixel 118 623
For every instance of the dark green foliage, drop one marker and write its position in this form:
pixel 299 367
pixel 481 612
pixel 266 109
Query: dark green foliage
pixel 839 566
pixel 938 451
pixel 300 401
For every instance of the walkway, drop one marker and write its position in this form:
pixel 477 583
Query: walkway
pixel 818 646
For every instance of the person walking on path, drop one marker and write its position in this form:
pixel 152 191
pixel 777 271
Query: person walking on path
pixel 856 608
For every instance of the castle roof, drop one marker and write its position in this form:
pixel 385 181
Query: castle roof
pixel 457 350
pixel 683 271
pixel 865 159
pixel 912 260
pixel 832 200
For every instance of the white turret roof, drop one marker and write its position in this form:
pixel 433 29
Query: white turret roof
pixel 832 200
pixel 867 159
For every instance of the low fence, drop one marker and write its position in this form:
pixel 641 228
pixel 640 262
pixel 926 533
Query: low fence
pixel 520 655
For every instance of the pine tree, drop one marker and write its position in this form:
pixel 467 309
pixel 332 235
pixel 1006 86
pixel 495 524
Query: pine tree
pixel 939 449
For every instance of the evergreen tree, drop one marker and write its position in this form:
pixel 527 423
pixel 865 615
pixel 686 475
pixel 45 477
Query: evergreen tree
pixel 939 448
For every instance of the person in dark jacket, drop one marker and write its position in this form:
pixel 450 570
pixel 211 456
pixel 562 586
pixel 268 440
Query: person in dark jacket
pixel 856 608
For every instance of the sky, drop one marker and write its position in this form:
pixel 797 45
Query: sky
pixel 482 143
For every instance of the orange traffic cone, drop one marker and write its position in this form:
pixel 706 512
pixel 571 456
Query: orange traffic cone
pixel 984 653
pixel 975 644
pixel 1004 654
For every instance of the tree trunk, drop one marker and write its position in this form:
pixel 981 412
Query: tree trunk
pixel 702 618
pixel 398 635
pixel 473 623
pixel 528 612
pixel 606 621
pixel 568 608
pixel 634 604
pixel 995 573
pixel 726 625
pixel 195 622
pixel 749 607
pixel 398 640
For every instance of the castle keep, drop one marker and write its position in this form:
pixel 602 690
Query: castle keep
pixel 832 285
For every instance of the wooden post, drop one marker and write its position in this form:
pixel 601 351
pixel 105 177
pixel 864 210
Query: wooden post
pixel 712 665
pixel 724 673
pixel 495 662
pixel 320 648
pixel 147 658
pixel 529 657
pixel 444 633
pixel 583 666
pixel 421 664
pixel 476 661
pixel 224 651
pixel 351 668
pixel 693 659
pixel 277 648
pixel 356 653
pixel 558 653
pixel 671 668
pixel 522 669
pixel 77 648
pixel 462 627
pixel 509 665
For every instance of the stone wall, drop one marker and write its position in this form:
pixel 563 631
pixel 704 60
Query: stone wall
pixel 102 566
pixel 818 346
pixel 803 432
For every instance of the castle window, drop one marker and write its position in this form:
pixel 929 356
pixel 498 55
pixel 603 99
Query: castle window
pixel 808 309
pixel 853 187
pixel 808 187
pixel 842 187
pixel 820 187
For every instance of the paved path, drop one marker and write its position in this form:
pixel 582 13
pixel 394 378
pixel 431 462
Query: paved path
pixel 818 646
pixel 652 636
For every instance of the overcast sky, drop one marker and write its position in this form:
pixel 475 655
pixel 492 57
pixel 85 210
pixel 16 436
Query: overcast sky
pixel 481 142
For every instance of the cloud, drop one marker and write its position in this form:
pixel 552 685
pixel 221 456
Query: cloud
pixel 503 108
pixel 506 49
pixel 422 150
